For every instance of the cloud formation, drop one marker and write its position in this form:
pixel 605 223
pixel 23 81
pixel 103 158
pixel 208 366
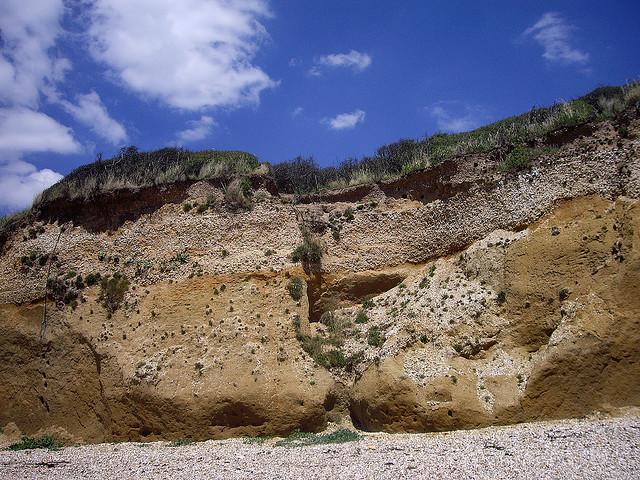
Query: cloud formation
pixel 346 120
pixel 20 182
pixel 454 117
pixel 23 130
pixel 90 111
pixel 26 64
pixel 198 129
pixel 189 54
pixel 27 67
pixel 553 33
pixel 355 60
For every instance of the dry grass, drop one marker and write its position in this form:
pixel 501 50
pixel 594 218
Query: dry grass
pixel 132 169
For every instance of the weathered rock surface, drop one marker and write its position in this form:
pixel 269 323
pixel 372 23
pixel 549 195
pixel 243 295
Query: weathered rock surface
pixel 503 298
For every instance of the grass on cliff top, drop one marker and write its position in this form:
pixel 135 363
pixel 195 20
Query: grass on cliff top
pixel 303 175
pixel 132 169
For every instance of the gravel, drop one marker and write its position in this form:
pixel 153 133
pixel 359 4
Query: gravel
pixel 586 448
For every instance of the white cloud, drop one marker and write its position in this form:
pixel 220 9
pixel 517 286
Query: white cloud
pixel 346 120
pixel 454 117
pixel 355 60
pixel 197 130
pixel 553 33
pixel 314 71
pixel 20 182
pixel 90 111
pixel 23 130
pixel 29 31
pixel 189 54
pixel 297 112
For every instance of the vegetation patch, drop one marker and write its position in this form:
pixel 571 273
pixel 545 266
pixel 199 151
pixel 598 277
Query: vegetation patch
pixel 295 286
pixel 113 291
pixel 30 443
pixel 362 317
pixel 237 195
pixel 303 439
pixel 131 169
pixel 181 442
pixel 259 440
pixel 374 337
pixel 309 252
pixel 520 158
pixel 303 175
pixel 327 350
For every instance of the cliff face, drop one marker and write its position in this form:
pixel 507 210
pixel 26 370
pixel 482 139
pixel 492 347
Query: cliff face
pixel 452 298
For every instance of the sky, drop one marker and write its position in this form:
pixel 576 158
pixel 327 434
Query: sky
pixel 329 79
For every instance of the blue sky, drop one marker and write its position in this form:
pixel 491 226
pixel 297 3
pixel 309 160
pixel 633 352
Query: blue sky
pixel 279 78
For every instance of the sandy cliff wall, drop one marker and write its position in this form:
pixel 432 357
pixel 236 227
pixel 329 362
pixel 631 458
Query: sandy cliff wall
pixel 500 298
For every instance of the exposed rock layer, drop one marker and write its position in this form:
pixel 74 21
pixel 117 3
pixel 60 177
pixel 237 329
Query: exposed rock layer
pixel 457 297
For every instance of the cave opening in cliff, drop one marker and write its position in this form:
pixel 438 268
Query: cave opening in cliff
pixel 328 292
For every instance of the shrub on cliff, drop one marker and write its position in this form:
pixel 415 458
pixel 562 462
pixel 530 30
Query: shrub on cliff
pixel 113 291
pixel 374 337
pixel 295 288
pixel 309 251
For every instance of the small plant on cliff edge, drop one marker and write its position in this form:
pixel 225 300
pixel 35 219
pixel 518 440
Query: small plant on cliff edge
pixel 113 290
pixel 295 288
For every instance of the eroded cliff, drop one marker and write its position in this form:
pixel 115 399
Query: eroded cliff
pixel 456 297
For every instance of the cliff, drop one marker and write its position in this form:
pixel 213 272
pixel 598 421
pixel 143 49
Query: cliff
pixel 458 296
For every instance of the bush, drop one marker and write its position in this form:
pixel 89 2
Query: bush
pixel 113 291
pixel 368 304
pixel 315 346
pixel 28 443
pixel 348 214
pixel 299 176
pixel 92 279
pixel 374 337
pixel 295 288
pixel 362 317
pixel 518 159
pixel 309 252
